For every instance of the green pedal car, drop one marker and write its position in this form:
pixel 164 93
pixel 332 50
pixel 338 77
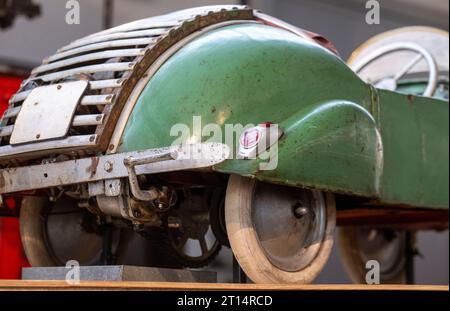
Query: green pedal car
pixel 160 141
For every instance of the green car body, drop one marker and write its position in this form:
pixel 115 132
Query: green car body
pixel 340 134
pixel 98 127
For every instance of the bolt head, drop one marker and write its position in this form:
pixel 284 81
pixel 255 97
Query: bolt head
pixel 301 211
pixel 108 166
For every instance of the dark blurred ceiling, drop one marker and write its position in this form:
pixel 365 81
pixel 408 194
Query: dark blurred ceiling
pixel 10 9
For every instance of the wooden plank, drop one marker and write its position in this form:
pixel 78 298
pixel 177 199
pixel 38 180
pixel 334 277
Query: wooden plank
pixel 20 285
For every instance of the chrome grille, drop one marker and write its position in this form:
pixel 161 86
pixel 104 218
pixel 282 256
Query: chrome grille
pixel 112 61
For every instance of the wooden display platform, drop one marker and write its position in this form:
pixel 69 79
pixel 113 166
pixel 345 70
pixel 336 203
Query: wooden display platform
pixel 25 285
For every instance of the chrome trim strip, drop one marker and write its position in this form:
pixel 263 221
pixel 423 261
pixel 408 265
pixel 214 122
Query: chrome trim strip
pixel 97 99
pixel 143 24
pixel 11 112
pixel 88 58
pixel 18 97
pixel 104 84
pixel 6 130
pixel 115 36
pixel 100 46
pixel 128 66
pixel 88 119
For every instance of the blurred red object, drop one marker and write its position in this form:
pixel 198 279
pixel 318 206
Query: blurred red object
pixel 12 258
pixel 8 86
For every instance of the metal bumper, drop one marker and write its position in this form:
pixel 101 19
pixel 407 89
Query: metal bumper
pixel 113 166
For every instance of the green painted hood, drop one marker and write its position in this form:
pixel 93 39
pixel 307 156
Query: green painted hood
pixel 245 73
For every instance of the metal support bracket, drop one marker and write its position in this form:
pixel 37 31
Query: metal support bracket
pixel 131 162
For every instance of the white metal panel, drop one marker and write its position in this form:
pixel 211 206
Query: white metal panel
pixel 47 112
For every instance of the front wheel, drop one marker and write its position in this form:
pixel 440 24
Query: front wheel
pixel 279 234
pixel 53 233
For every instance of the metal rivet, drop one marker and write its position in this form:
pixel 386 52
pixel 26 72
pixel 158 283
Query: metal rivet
pixel 108 166
pixel 98 118
pixel 59 87
pixel 92 138
pixel 38 136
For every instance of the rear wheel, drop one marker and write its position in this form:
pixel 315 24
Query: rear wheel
pixel 279 234
pixel 387 246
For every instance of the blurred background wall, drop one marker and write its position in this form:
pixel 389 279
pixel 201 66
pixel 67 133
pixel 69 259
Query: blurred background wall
pixel 27 42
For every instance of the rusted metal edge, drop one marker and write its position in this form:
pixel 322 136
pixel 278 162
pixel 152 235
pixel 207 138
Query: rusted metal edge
pixel 96 168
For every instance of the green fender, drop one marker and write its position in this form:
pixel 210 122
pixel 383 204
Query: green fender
pixel 251 73
pixel 333 146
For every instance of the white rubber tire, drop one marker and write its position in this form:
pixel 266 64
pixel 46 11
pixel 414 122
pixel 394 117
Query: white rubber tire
pixel 352 262
pixel 247 248
pixel 31 232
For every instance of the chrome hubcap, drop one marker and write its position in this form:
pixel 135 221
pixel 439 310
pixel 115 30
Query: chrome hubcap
pixel 290 224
